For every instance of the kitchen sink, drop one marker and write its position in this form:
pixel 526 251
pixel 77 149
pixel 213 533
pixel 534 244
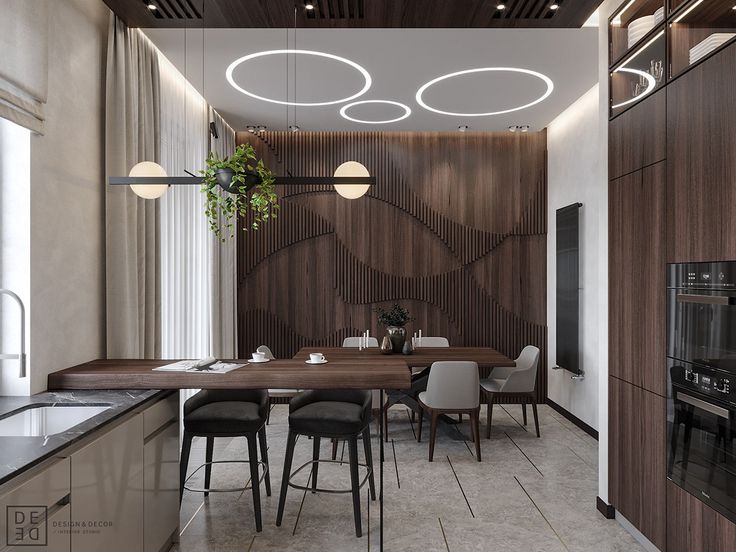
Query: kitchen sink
pixel 45 420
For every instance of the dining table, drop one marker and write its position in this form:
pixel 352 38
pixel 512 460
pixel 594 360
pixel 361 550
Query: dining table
pixel 346 368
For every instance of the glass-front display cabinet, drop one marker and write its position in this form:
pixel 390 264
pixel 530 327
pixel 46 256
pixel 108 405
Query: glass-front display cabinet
pixel 637 52
pixel 697 29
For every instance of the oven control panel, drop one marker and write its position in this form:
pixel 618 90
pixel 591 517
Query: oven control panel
pixel 720 275
pixel 718 384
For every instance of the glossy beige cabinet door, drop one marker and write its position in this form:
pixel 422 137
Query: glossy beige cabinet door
pixel 34 512
pixel 161 487
pixel 107 491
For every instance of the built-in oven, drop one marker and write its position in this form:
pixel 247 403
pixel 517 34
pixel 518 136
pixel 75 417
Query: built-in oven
pixel 701 375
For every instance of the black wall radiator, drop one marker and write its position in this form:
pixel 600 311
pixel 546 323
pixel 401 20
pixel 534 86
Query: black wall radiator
pixel 568 286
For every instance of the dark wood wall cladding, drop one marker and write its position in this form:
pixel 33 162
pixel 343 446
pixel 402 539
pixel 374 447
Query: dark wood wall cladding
pixel 637 306
pixel 701 161
pixel 637 137
pixel 454 229
pixel 637 470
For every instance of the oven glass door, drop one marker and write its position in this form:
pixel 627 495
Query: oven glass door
pixel 702 327
pixel 701 449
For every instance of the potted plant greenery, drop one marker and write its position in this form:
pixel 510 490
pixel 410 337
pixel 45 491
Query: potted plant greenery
pixel 394 319
pixel 247 191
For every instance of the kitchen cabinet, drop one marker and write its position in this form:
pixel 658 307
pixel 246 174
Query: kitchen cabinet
pixel 637 474
pixel 161 474
pixel 637 309
pixel 107 490
pixel 35 512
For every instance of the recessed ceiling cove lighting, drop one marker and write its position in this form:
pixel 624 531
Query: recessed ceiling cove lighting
pixel 344 112
pixel 544 78
pixel 234 65
pixel 651 85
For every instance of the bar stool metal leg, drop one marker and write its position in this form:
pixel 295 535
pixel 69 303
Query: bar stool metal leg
pixel 186 447
pixel 355 483
pixel 290 442
pixel 264 458
pixel 208 461
pixel 369 460
pixel 315 466
pixel 254 478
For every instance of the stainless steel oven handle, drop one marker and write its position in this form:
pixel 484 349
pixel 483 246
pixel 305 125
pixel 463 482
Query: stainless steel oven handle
pixel 713 409
pixel 705 299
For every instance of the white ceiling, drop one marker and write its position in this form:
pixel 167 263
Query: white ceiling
pixel 399 62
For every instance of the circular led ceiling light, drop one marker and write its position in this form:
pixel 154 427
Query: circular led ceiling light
pixel 544 78
pixel 344 112
pixel 237 62
pixel 651 85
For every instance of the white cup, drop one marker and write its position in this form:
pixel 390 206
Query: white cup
pixel 259 356
pixel 316 357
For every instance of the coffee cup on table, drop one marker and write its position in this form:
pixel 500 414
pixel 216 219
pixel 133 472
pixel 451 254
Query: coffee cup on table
pixel 316 357
pixel 259 356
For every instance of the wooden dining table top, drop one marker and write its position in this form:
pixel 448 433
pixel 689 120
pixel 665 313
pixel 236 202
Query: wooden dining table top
pixel 486 357
pixel 346 368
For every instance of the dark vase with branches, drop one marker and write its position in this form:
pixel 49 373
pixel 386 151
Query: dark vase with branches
pixel 239 186
pixel 395 318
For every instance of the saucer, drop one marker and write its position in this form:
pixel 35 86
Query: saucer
pixel 254 361
pixel 318 362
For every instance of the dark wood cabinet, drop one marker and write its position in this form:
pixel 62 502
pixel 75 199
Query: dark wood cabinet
pixel 637 278
pixel 636 458
pixel 696 527
pixel 636 138
pixel 701 161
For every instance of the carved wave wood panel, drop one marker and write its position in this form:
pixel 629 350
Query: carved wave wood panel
pixel 472 193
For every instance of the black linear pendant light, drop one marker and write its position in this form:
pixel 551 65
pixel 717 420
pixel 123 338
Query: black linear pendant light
pixel 150 181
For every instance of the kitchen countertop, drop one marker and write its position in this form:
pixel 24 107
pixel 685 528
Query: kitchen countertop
pixel 18 454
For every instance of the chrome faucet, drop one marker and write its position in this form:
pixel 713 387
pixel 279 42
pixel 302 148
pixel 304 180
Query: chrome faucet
pixel 21 356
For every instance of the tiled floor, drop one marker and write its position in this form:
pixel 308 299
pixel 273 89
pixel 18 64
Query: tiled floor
pixel 528 494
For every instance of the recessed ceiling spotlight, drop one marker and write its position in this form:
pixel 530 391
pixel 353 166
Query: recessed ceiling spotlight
pixel 501 7
pixel 462 128
pixel 734 8
pixel 513 128
pixel 309 5
pixel 250 128
pixel 293 128
pixel 524 128
pixel 261 128
pixel 344 112
pixel 152 7
pixel 544 78
pixel 234 65
pixel 554 6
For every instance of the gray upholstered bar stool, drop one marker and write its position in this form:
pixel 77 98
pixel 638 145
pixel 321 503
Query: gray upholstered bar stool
pixel 332 414
pixel 227 413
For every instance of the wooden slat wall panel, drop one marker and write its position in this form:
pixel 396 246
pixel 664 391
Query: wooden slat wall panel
pixel 455 229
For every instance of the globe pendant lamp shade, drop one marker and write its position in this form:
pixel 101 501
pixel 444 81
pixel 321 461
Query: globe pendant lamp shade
pixel 352 191
pixel 148 191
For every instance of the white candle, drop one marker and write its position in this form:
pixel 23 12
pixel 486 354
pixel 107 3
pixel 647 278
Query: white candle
pixel 420 338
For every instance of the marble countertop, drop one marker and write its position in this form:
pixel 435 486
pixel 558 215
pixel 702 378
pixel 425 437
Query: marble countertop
pixel 18 454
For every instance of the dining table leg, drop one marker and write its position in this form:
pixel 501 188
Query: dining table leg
pixel 380 469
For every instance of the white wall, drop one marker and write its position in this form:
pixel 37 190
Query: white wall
pixel 575 173
pixel 67 319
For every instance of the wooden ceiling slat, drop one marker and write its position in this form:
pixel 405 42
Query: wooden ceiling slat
pixel 356 13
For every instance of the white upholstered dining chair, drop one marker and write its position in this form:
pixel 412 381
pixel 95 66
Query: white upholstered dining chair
pixel 355 342
pixel 515 382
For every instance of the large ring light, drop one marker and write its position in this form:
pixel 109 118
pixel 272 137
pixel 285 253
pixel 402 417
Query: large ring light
pixel 344 111
pixel 651 85
pixel 234 64
pixel 545 78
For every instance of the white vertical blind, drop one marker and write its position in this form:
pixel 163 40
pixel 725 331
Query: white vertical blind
pixel 186 245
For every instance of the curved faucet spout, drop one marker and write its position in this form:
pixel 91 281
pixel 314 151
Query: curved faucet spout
pixel 22 355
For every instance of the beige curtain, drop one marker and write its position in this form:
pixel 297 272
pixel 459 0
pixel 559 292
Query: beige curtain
pixel 224 273
pixel 132 134
pixel 24 62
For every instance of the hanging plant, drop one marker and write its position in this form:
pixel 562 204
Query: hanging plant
pixel 238 186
